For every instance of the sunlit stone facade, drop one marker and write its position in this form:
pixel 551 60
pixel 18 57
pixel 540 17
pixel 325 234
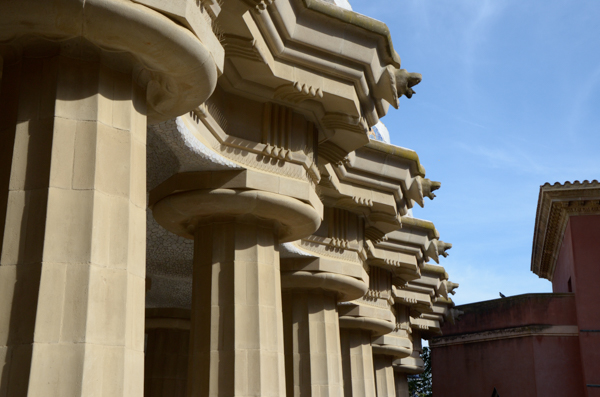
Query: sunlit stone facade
pixel 191 204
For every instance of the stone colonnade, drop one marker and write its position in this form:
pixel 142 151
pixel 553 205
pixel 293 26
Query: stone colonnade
pixel 280 256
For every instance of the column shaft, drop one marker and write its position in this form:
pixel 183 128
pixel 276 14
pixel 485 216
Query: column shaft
pixel 72 229
pixel 236 338
pixel 357 363
pixel 312 344
pixel 166 366
pixel 401 381
pixel 384 374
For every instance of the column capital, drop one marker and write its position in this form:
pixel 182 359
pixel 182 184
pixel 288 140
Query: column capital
pixel 175 83
pixel 332 258
pixel 184 200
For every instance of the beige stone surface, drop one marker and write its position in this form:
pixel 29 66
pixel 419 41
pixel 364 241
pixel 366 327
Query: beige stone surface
pixel 291 218
pixel 384 376
pixel 236 345
pixel 72 259
pixel 312 344
pixel 401 383
pixel 412 364
pixel 357 363
pixel 178 71
pixel 276 151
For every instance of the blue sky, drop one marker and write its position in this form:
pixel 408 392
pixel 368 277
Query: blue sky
pixel 510 99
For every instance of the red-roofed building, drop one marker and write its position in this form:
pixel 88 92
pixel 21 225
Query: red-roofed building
pixel 535 344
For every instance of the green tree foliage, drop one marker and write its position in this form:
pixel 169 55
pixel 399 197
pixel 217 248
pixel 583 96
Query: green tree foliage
pixel 420 385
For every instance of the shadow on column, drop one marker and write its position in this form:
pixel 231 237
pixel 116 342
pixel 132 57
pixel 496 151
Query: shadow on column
pixel 21 266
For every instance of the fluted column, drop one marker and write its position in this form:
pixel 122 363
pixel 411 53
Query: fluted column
pixel 237 328
pixel 313 286
pixel 357 361
pixel 72 266
pixel 167 352
pixel 236 336
pixel 394 345
pixel 401 383
pixel 409 365
pixel 384 375
pixel 312 339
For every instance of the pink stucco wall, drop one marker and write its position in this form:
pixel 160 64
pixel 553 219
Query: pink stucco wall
pixel 515 366
pixel 533 365
pixel 580 259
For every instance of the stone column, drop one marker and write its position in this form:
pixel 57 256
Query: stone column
pixel 313 286
pixel 357 361
pixel 401 383
pixel 236 337
pixel 72 266
pixel 410 365
pixel 237 325
pixel 312 339
pixel 363 321
pixel 167 352
pixel 384 375
pixel 389 347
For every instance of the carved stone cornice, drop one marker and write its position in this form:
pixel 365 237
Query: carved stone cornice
pixel 403 266
pixel 259 5
pixel 556 204
pixel 375 310
pixel 417 237
pixel 412 364
pixel 284 51
pixel 379 181
pixel 283 142
pixel 427 299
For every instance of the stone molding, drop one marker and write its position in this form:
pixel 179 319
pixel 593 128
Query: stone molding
pixel 412 364
pixel 182 212
pixel 273 154
pixel 346 287
pixel 556 204
pixel 507 333
pixel 237 179
pixel 396 344
pixel 381 182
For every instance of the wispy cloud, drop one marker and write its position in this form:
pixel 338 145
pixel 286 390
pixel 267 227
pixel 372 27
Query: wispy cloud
pixel 580 102
pixel 515 158
pixel 480 17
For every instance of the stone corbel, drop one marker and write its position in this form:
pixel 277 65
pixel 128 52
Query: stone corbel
pixel 417 301
pixel 402 265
